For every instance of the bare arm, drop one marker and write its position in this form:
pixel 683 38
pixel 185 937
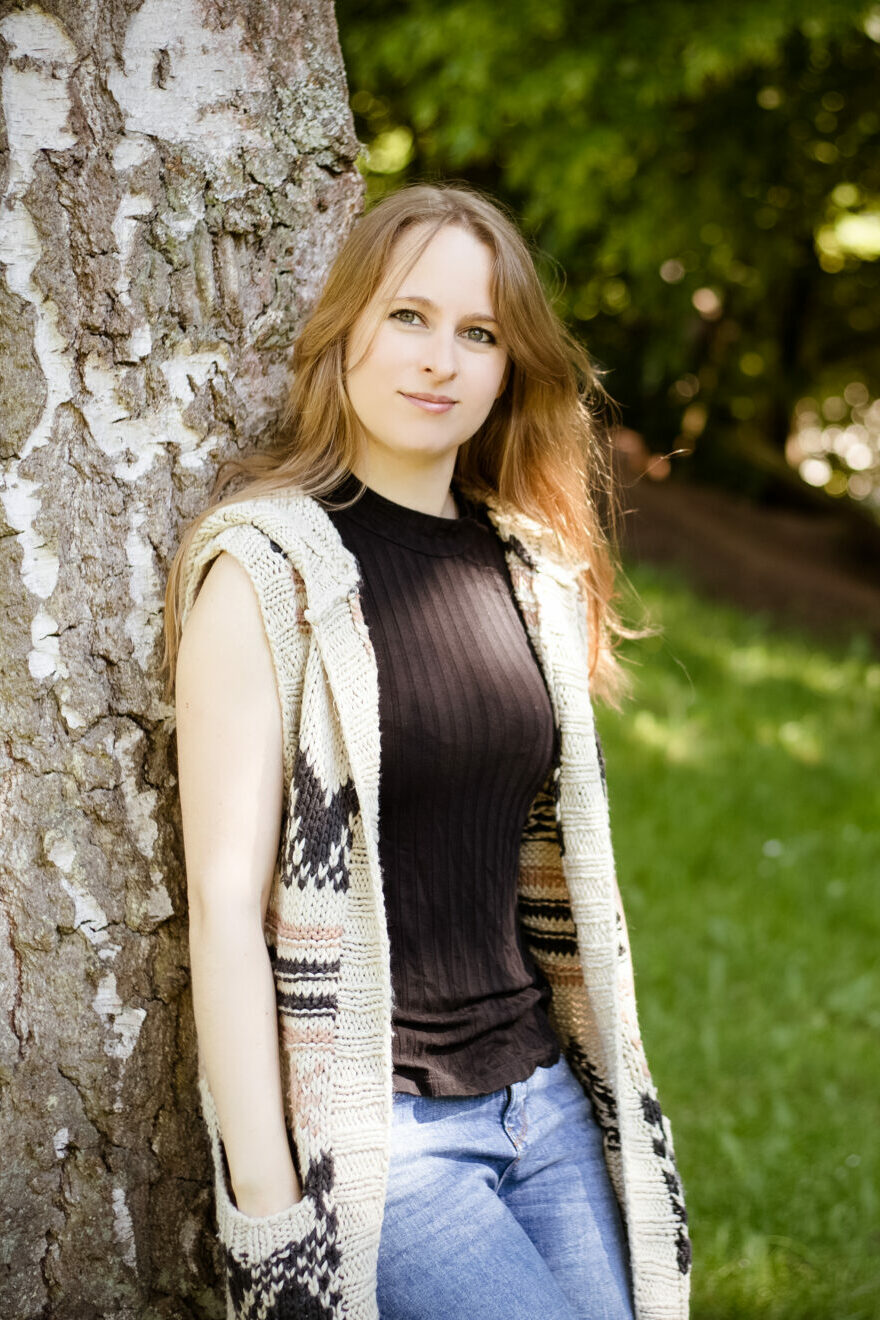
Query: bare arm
pixel 231 792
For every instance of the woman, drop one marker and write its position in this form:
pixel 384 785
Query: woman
pixel 411 981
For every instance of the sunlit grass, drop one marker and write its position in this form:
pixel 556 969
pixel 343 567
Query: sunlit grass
pixel 744 796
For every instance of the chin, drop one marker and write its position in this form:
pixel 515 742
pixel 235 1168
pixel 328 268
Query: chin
pixel 412 446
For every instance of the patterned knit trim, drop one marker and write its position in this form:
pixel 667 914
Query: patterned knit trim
pixel 284 1264
pixel 324 929
pixel 574 928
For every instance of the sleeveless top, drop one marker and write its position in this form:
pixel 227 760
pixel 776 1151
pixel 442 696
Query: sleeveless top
pixel 468 738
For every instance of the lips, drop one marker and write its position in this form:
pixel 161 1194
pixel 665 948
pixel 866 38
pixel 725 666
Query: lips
pixel 435 403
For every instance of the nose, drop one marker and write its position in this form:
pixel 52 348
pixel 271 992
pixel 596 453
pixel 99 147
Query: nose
pixel 438 355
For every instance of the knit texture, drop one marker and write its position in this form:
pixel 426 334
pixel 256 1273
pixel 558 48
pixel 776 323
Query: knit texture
pixel 327 936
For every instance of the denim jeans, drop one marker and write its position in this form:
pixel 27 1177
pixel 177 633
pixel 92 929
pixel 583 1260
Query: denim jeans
pixel 500 1207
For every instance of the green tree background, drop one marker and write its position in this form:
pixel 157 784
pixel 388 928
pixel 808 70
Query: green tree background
pixel 703 184
pixel 707 177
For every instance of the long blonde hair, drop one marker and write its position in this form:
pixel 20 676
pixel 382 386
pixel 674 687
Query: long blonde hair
pixel 542 450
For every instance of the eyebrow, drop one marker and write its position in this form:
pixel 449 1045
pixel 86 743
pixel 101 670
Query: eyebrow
pixel 426 302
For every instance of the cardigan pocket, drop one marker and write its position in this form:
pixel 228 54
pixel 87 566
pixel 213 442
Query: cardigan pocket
pixel 283 1263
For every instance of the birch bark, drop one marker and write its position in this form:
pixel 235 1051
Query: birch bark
pixel 176 178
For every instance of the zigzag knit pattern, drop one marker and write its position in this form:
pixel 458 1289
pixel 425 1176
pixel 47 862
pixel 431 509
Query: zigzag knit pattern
pixel 297 1279
pixel 327 939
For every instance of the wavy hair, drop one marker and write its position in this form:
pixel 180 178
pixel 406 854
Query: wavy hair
pixel 542 451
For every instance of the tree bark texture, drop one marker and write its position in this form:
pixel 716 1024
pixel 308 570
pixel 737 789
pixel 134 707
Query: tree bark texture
pixel 177 176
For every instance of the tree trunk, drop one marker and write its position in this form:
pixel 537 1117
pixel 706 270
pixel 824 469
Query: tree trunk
pixel 178 177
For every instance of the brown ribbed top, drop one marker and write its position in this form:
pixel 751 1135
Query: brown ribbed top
pixel 467 739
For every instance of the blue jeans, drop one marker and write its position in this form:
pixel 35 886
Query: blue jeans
pixel 500 1207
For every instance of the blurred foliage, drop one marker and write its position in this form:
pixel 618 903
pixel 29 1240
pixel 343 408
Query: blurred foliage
pixel 706 176
pixel 744 804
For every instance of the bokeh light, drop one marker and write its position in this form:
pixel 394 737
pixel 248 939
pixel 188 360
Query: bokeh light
pixel 834 443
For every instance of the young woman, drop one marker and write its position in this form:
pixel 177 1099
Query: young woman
pixel 410 971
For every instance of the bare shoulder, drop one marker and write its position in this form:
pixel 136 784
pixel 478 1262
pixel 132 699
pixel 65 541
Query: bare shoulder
pixel 229 741
pixel 227 584
pixel 224 634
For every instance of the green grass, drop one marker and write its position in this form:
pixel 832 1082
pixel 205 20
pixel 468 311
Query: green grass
pixel 744 799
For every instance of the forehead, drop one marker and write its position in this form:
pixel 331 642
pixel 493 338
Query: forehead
pixel 449 251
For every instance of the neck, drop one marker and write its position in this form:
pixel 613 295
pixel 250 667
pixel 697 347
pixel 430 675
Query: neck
pixel 419 485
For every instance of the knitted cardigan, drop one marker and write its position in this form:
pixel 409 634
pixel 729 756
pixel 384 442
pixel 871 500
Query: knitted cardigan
pixel 327 937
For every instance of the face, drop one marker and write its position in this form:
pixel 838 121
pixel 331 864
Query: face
pixel 426 358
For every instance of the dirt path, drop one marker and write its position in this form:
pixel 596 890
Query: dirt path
pixel 797 567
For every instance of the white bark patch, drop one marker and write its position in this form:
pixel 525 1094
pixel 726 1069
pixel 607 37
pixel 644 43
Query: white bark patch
pixel 20 250
pixel 181 224
pixel 130 152
pixel 140 803
pixel 137 442
pixel 44 660
pixel 73 718
pixel 140 808
pixel 183 83
pixel 39 564
pixel 159 905
pixel 36 106
pixel 143 623
pixel 88 915
pixel 126 1022
pixel 156 907
pixel 60 1142
pixel 185 372
pixel 32 32
pixel 123 1229
pixel 131 209
pixel 140 342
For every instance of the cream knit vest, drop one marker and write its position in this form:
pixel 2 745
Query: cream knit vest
pixel 327 939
